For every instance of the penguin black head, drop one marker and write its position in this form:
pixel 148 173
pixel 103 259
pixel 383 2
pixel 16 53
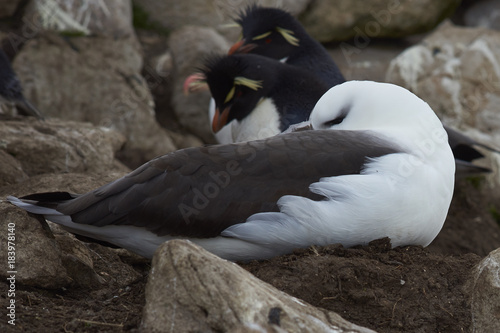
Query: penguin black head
pixel 270 32
pixel 237 83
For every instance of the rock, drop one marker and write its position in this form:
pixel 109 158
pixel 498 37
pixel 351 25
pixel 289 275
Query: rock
pixel 67 182
pixel 484 14
pixel 8 7
pixel 111 18
pixel 457 71
pixel 97 80
pixel 77 260
pixel 37 261
pixel 11 170
pixel 30 147
pixel 362 20
pixel 192 289
pixel 55 259
pixel 213 13
pixel 188 47
pixel 484 290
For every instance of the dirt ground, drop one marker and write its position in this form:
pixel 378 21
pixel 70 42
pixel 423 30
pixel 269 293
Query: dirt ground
pixel 407 289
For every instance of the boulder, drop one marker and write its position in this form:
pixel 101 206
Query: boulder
pixel 484 290
pixel 216 14
pixel 8 7
pixel 110 18
pixel 31 147
pixel 11 170
pixel 188 46
pixel 484 14
pixel 192 289
pixel 53 258
pixel 97 80
pixel 36 259
pixel 457 71
pixel 328 20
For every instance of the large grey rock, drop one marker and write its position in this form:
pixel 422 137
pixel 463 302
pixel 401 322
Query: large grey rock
pixel 97 80
pixel 328 20
pixel 11 170
pixel 36 260
pixel 484 290
pixel 110 18
pixel 54 259
pixel 8 7
pixel 484 14
pixel 30 147
pixel 189 46
pixel 457 71
pixel 173 14
pixel 191 290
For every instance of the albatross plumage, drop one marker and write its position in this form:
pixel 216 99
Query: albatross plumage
pixel 376 164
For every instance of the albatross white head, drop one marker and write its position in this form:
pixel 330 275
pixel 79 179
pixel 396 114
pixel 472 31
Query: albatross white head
pixel 388 110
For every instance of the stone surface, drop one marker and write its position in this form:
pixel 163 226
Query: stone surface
pixel 55 259
pixel 484 288
pixel 97 80
pixel 188 47
pixel 173 14
pixel 110 18
pixel 192 290
pixel 8 7
pixel 457 71
pixel 68 182
pixel 37 259
pixel 11 170
pixel 328 20
pixel 484 14
pixel 30 147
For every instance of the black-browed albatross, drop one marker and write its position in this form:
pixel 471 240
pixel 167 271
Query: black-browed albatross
pixel 376 164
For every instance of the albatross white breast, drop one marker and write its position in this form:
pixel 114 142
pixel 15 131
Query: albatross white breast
pixel 377 163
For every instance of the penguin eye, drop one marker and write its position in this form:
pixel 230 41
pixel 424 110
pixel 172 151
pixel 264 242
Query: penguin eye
pixel 262 36
pixel 230 94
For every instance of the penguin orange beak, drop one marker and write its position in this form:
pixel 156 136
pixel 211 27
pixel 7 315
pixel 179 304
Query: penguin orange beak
pixel 220 119
pixel 241 47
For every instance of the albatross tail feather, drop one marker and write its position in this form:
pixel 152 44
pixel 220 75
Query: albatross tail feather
pixel 37 207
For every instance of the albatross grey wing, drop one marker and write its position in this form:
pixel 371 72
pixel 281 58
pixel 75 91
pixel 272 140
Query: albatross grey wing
pixel 199 192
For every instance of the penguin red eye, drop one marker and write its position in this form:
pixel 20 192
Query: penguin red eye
pixel 268 40
pixel 239 94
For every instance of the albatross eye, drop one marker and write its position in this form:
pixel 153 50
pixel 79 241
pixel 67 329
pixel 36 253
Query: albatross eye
pixel 340 118
pixel 335 121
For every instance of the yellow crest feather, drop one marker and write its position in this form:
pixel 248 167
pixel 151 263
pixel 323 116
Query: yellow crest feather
pixel 288 35
pixel 252 84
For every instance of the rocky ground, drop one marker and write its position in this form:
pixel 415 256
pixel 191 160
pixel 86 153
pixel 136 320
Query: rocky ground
pixel 408 289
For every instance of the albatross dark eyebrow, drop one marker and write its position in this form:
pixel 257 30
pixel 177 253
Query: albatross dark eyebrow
pixel 343 113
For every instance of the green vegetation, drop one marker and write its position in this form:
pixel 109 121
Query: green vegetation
pixel 475 181
pixel 496 215
pixel 72 33
pixel 140 20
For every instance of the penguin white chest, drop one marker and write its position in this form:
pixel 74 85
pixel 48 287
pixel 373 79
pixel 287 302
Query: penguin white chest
pixel 263 122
